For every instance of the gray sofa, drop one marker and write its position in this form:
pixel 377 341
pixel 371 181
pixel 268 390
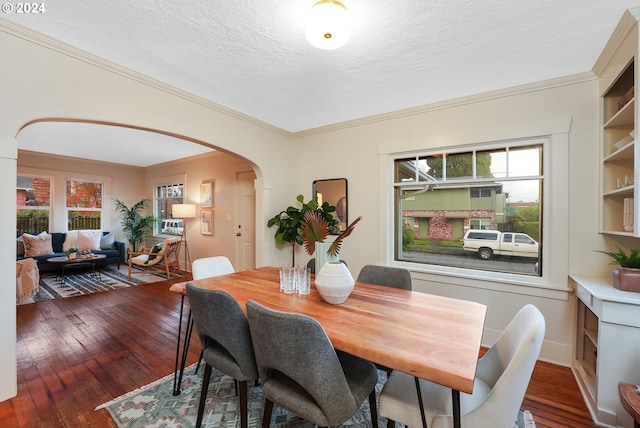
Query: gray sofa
pixel 117 254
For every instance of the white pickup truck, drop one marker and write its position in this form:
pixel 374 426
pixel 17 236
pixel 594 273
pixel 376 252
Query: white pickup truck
pixel 489 242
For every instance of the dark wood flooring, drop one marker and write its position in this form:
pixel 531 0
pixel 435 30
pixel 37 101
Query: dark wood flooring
pixel 77 353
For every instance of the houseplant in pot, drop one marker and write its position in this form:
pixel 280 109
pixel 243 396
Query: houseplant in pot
pixel 135 225
pixel 626 276
pixel 289 222
pixel 333 280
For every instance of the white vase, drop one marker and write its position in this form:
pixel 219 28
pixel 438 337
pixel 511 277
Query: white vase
pixel 321 255
pixel 334 282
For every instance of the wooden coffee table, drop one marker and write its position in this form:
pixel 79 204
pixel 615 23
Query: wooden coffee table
pixel 64 264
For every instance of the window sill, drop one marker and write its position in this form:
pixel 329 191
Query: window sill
pixel 494 281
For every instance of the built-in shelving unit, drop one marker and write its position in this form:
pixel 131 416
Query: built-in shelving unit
pixel 617 73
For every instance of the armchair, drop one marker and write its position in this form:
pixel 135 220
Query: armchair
pixel 161 257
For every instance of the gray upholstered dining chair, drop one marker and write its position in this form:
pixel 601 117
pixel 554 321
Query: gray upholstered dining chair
pixel 302 372
pixel 226 341
pixel 389 276
pixel 502 378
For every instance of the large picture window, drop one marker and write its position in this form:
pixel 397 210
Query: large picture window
pixel 33 202
pixel 442 196
pixel 166 195
pixel 84 204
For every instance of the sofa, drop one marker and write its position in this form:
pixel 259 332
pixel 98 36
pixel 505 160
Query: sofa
pixel 46 245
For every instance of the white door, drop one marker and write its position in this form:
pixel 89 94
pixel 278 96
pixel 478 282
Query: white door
pixel 245 221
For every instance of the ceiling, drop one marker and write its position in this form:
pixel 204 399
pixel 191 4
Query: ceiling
pixel 252 56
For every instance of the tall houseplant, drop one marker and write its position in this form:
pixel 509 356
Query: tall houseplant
pixel 135 225
pixel 291 220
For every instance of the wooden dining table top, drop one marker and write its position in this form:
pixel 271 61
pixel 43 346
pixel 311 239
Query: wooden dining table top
pixel 432 337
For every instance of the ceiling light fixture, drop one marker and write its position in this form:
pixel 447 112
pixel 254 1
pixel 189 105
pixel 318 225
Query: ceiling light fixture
pixel 328 25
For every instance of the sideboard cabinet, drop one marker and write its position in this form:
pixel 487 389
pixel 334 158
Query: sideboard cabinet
pixel 607 347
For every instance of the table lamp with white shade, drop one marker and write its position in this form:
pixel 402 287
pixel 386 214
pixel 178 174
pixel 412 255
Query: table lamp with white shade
pixel 184 211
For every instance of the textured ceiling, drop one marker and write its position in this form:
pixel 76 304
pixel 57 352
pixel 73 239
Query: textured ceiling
pixel 252 56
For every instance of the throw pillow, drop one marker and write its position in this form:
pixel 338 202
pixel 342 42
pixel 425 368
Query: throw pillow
pixel 89 240
pixel 70 240
pixel 107 241
pixel 39 245
pixel 154 250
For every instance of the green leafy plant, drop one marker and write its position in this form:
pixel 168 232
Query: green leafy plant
pixel 71 250
pixel 135 225
pixel 291 220
pixel 316 229
pixel 620 257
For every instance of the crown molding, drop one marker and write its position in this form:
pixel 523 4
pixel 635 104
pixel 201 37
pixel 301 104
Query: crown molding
pixel 50 43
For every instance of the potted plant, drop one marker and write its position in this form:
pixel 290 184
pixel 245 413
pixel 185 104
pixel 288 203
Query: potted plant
pixel 333 280
pixel 135 225
pixel 627 276
pixel 72 253
pixel 291 220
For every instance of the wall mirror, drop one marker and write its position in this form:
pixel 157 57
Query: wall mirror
pixel 333 191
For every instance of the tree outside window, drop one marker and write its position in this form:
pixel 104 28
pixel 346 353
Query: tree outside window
pixel 84 205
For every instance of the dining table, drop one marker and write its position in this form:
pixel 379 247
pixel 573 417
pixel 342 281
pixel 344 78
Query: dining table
pixel 428 336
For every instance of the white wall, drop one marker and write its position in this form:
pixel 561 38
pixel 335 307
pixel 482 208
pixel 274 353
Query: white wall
pixel 53 81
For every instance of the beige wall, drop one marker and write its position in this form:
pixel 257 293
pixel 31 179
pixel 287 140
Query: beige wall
pixel 222 168
pixel 77 86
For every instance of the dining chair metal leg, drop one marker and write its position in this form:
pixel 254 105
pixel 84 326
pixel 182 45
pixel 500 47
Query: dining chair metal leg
pixel 177 377
pixel 266 415
pixel 374 409
pixel 244 406
pixel 203 393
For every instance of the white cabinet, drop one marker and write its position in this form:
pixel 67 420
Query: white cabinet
pixel 620 152
pixel 607 347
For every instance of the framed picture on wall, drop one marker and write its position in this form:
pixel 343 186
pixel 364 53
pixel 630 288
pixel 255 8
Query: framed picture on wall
pixel 206 194
pixel 206 222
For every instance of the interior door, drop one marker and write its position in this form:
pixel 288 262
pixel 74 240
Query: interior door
pixel 245 221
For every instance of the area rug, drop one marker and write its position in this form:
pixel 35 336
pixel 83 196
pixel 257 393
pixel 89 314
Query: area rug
pixel 78 283
pixel 154 405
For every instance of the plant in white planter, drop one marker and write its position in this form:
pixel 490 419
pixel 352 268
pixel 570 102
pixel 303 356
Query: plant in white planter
pixel 627 276
pixel 333 280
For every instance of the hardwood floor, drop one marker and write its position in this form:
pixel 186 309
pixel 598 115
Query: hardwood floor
pixel 77 353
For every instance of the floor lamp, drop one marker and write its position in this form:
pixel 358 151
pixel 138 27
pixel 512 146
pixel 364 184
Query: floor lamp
pixel 184 211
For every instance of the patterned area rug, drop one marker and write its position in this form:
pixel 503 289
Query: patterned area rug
pixel 79 282
pixel 154 405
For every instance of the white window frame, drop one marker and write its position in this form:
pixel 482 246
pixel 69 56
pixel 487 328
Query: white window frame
pixel 553 282
pixel 100 210
pixel 166 181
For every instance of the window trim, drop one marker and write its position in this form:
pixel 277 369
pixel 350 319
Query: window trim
pixel 102 196
pixel 555 168
pixel 166 181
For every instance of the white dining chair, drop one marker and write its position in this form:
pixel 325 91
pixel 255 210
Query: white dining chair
pixel 502 378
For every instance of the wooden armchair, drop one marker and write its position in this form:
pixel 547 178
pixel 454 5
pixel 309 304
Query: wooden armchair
pixel 161 257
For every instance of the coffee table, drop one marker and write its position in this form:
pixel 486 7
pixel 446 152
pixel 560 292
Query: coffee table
pixel 65 263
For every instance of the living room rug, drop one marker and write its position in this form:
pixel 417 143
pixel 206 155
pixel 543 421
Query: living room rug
pixel 78 283
pixel 154 405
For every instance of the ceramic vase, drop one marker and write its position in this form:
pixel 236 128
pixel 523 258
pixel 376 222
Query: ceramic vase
pixel 321 255
pixel 626 279
pixel 334 282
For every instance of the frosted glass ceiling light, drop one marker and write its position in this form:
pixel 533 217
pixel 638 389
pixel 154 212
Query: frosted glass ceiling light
pixel 328 25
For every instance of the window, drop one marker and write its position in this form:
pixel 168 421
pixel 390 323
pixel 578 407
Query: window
pixel 165 196
pixel 441 196
pixel 84 205
pixel 33 202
